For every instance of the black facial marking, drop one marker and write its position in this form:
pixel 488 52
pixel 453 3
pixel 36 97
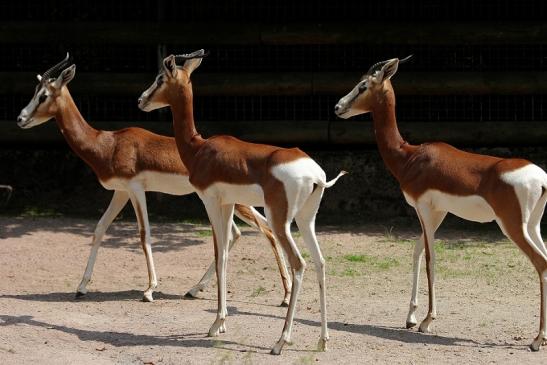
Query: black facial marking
pixel 159 81
pixel 42 98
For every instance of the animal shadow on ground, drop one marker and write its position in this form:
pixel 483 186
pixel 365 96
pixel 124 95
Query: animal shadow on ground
pixel 125 235
pixel 120 339
pixel 398 334
pixel 92 296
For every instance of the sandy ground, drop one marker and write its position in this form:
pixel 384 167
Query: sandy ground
pixel 488 299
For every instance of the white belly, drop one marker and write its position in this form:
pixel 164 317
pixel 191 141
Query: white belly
pixel 470 207
pixel 249 194
pixel 162 182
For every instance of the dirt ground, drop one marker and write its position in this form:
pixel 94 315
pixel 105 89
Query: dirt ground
pixel 487 292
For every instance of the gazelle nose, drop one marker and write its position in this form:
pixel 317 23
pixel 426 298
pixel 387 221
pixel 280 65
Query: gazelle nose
pixel 337 107
pixel 139 101
pixel 19 119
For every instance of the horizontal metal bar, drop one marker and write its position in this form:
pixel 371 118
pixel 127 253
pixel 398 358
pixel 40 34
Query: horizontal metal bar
pixel 207 34
pixel 340 132
pixel 292 83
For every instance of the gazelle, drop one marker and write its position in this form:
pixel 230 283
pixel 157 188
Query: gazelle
pixel 437 178
pixel 130 161
pixel 225 171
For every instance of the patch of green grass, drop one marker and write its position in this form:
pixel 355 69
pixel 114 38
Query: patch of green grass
pixel 374 262
pixel 258 291
pixel 305 254
pixel 205 233
pixel 35 212
pixel 195 221
pixel 358 258
pixel 349 271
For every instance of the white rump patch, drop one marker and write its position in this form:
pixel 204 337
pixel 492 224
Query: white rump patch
pixel 297 177
pixel 528 182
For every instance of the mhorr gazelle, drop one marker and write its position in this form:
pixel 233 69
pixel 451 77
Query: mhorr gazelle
pixel 130 161
pixel 437 178
pixel 226 171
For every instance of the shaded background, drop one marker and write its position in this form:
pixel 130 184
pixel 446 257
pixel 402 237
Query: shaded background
pixel 478 80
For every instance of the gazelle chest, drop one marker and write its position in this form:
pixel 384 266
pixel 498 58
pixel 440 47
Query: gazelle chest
pixel 162 182
pixel 470 207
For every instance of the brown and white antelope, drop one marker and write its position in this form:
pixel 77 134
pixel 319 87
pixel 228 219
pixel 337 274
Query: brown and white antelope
pixel 130 161
pixel 437 178
pixel 226 171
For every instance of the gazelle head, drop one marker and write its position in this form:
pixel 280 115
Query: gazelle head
pixel 361 98
pixel 170 79
pixel 43 105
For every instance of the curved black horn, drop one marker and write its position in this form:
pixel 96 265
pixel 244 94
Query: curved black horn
pixel 53 70
pixel 379 65
pixel 188 56
pixel 376 67
pixel 406 58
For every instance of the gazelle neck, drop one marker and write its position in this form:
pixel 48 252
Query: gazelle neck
pixel 186 135
pixel 80 136
pixel 393 148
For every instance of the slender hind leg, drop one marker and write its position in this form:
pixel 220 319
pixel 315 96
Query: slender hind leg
pixel 411 321
pixel 204 281
pixel 534 224
pixel 541 339
pixel 253 218
pixel 119 199
pixel 428 218
pixel 298 266
pixel 305 220
pixel 138 199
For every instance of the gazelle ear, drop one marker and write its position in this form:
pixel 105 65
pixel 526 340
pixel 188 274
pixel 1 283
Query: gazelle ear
pixel 39 77
pixel 170 66
pixel 65 77
pixel 191 64
pixel 388 70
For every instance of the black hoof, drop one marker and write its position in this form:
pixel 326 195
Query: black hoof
pixel 409 325
pixel 79 294
pixel 284 304
pixel 531 347
pixel 189 295
pixel 272 352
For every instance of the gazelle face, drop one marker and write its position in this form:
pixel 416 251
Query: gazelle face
pixel 362 97
pixel 43 105
pixel 154 97
pixel 357 100
pixel 40 109
pixel 171 80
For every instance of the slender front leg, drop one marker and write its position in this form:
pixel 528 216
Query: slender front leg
pixel 138 199
pixel 416 263
pixel 119 199
pixel 221 217
pixel 192 293
pixel 541 339
pixel 430 220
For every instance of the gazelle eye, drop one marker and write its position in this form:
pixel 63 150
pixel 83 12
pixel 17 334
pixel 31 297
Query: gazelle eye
pixel 42 98
pixel 363 87
pixel 159 82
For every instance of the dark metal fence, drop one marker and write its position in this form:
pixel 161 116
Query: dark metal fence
pixel 278 42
